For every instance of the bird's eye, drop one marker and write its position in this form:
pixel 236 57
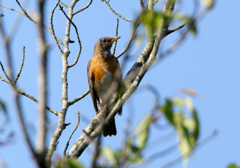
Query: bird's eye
pixel 104 40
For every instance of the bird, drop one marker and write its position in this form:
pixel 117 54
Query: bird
pixel 104 78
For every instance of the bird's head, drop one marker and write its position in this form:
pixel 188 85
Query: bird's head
pixel 104 44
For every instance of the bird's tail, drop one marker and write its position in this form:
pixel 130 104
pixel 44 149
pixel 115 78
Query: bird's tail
pixel 110 129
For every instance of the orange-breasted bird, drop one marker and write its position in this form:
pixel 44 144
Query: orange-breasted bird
pixel 104 78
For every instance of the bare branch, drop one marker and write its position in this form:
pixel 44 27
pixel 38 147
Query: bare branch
pixel 51 25
pixel 34 99
pixel 12 9
pixel 175 29
pixel 64 153
pixel 129 20
pixel 129 41
pixel 80 10
pixel 20 69
pixel 115 44
pixel 62 114
pixel 142 4
pixel 24 93
pixel 42 115
pixel 16 24
pixel 79 42
pixel 78 98
pixel 25 13
pixel 30 18
pixel 15 92
pixel 10 81
pixel 4 80
pixel 64 4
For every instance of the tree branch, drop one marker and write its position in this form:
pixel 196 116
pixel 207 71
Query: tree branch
pixel 30 18
pixel 115 44
pixel 142 4
pixel 80 10
pixel 64 153
pixel 64 99
pixel 20 69
pixel 51 26
pixel 175 29
pixel 15 92
pixel 129 41
pixel 129 20
pixel 78 98
pixel 79 42
pixel 42 115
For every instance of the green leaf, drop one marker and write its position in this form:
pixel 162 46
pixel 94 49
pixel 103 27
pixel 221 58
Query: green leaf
pixel 142 131
pixel 3 107
pixel 196 130
pixel 167 109
pixel 187 128
pixel 134 158
pixel 109 154
pixel 208 4
pixel 68 163
pixel 233 166
pixel 151 20
pixel 73 163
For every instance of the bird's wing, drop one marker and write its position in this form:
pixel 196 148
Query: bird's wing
pixel 93 93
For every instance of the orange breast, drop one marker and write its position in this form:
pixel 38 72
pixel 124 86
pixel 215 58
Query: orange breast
pixel 99 66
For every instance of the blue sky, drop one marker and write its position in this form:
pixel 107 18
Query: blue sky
pixel 208 63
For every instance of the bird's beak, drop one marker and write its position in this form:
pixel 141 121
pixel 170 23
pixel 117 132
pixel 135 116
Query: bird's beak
pixel 115 39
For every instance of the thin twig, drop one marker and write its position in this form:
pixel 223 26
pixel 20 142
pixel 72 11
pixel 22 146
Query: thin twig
pixel 10 81
pixel 64 4
pixel 115 44
pixel 80 10
pixel 30 17
pixel 16 24
pixel 129 41
pixel 64 153
pixel 79 42
pixel 78 98
pixel 24 93
pixel 175 29
pixel 25 13
pixel 15 92
pixel 181 39
pixel 12 9
pixel 20 69
pixel 129 20
pixel 4 80
pixel 51 26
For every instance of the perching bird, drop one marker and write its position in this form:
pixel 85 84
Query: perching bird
pixel 104 78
